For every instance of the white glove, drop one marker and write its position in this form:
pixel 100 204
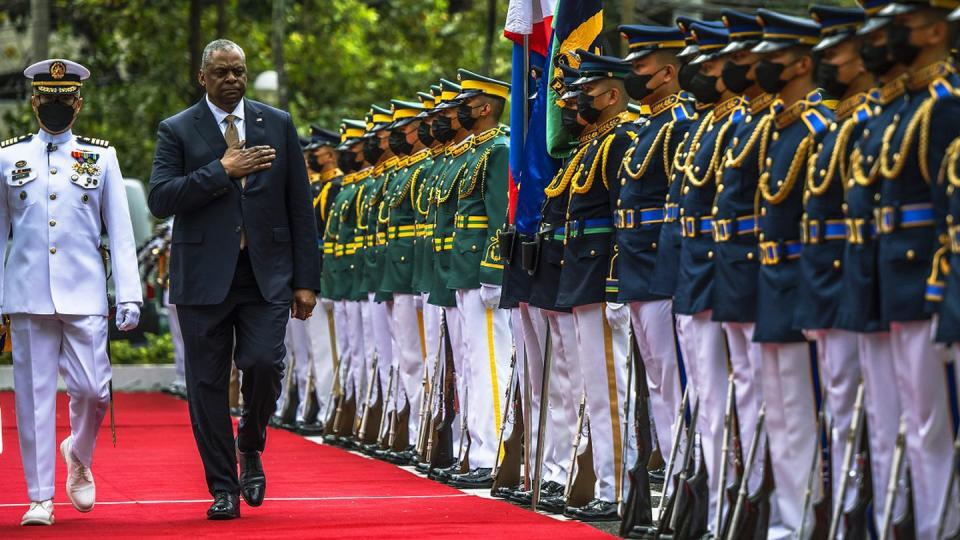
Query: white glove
pixel 490 295
pixel 618 315
pixel 327 304
pixel 128 316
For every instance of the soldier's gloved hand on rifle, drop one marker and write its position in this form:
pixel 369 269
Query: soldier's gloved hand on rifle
pixel 618 315
pixel 128 316
pixel 490 295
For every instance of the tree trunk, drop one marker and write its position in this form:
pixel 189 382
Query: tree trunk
pixel 193 44
pixel 490 36
pixel 221 18
pixel 279 14
pixel 40 37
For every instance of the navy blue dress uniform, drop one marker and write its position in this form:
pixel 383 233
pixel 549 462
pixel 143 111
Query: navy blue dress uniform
pixel 912 230
pixel 789 139
pixel 948 327
pixel 586 276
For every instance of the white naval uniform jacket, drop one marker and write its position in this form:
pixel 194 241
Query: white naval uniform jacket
pixel 57 192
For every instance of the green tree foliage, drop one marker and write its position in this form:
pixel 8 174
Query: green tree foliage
pixel 341 56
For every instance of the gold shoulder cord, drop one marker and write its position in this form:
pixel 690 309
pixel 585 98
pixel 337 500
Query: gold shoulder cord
pixel 667 160
pixel 714 158
pixel 418 204
pixel 677 167
pixel 481 163
pixel 443 197
pixel 786 185
pixel 892 171
pixel 561 180
pixel 360 210
pixel 737 162
pixel 634 174
pixel 398 198
pixel 579 189
pixel 948 167
pixel 837 159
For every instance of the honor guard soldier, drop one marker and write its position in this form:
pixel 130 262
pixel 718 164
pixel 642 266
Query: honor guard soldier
pixel 909 235
pixel 639 214
pixel 588 274
pixel 859 309
pixel 799 123
pixel 59 192
pixel 476 268
pixel 398 207
pixel 840 75
pixel 701 339
pixel 447 129
pixel 735 263
pixel 376 319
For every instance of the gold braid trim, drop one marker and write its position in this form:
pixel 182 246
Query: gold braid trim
pixel 417 204
pixel 443 197
pixel 677 166
pixel 837 159
pixel 600 131
pixel 360 209
pixel 737 162
pixel 666 150
pixel 892 170
pixel 397 199
pixel 634 174
pixel 579 189
pixel 786 185
pixel 714 160
pixel 464 193
pixel 858 175
pixel 560 182
pixel 948 166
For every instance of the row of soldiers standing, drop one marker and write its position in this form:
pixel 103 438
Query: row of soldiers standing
pixel 767 247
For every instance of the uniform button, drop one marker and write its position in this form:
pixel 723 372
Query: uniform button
pixel 776 135
pixel 720 188
pixel 709 254
pixel 402 258
pixel 237 230
pixel 843 207
pixel 736 141
pixel 763 211
pixel 53 223
pixel 473 246
pixel 23 195
pixel 836 264
pixel 53 250
pixel 714 209
pixel 761 237
pixel 876 197
pixel 619 201
pixel 910 255
pixel 869 159
pixel 866 132
pixel 562 261
pixel 686 189
pixel 749 255
pixel 653 245
pixel 53 170
pixel 53 196
pixel 623 182
pixel 593 253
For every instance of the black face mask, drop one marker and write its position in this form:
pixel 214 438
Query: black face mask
pixel 568 119
pixel 372 150
pixel 585 107
pixel 56 117
pixel 398 143
pixel 876 58
pixel 898 44
pixel 685 75
pixel 768 76
pixel 464 113
pixel 443 129
pixel 735 77
pixel 313 162
pixel 636 85
pixel 826 77
pixel 704 88
pixel 423 133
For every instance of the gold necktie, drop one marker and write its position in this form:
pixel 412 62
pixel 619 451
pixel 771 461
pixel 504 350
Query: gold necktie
pixel 232 137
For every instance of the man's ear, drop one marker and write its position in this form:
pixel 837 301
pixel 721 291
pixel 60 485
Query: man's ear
pixel 201 79
pixel 78 105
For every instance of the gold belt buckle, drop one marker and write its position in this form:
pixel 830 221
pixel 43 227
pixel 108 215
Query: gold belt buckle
pixel 886 223
pixel 721 230
pixel 769 253
pixel 689 226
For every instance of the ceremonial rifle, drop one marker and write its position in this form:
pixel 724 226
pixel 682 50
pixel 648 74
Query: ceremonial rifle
pixel 506 468
pixel 852 447
pixel 637 508
pixel 808 504
pixel 737 528
pixel 580 476
pixel 724 454
pixel 385 415
pixel 440 444
pixel 951 486
pixel 896 465
pixel 544 413
pixel 736 454
pixel 373 382
pixel 675 498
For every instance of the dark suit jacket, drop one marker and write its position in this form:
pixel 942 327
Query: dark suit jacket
pixel 275 208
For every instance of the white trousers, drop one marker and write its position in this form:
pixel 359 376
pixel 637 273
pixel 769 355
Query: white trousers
pixel 746 366
pixel 408 356
pixel 838 358
pixel 431 338
pixel 653 329
pixel 883 412
pixel 487 346
pixel 455 330
pixel 567 379
pixel 322 360
pixel 704 349
pixel 298 356
pixel 791 428
pixel 383 346
pixel 603 360
pixel 76 347
pixel 356 370
pixel 919 369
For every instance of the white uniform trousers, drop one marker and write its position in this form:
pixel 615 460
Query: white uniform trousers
pixel 322 361
pixel 567 379
pixel 408 356
pixel 431 337
pixel 704 349
pixel 745 363
pixel 654 331
pixel 791 422
pixel 919 365
pixel 76 347
pixel 487 346
pixel 837 355
pixel 455 330
pixel 883 410
pixel 176 336
pixel 357 346
pixel 603 361
pixel 298 354
pixel 383 345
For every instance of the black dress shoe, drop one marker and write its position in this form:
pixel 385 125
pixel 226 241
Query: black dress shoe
pixel 475 479
pixel 225 506
pixel 253 483
pixel 399 458
pixel 656 476
pixel 554 504
pixel 504 492
pixel 275 421
pixel 443 475
pixel 309 430
pixel 422 466
pixel 523 497
pixel 595 510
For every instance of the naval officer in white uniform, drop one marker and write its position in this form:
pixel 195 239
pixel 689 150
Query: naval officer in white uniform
pixel 57 192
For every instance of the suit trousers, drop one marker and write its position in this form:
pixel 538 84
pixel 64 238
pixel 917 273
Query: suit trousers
pixel 322 361
pixel 297 361
pixel 247 330
pixel 76 347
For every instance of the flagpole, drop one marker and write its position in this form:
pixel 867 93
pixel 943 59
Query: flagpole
pixel 526 84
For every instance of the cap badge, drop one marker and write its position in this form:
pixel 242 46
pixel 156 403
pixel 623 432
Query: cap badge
pixel 58 70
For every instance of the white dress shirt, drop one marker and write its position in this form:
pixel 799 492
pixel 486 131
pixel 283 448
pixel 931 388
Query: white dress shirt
pixel 220 116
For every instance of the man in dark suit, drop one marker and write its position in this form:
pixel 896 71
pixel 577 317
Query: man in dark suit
pixel 244 252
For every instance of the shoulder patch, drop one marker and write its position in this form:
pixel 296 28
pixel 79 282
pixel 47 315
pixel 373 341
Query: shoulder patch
pixel 94 142
pixel 15 140
pixel 940 88
pixel 815 121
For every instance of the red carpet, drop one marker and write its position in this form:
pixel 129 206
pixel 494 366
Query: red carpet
pixel 152 485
